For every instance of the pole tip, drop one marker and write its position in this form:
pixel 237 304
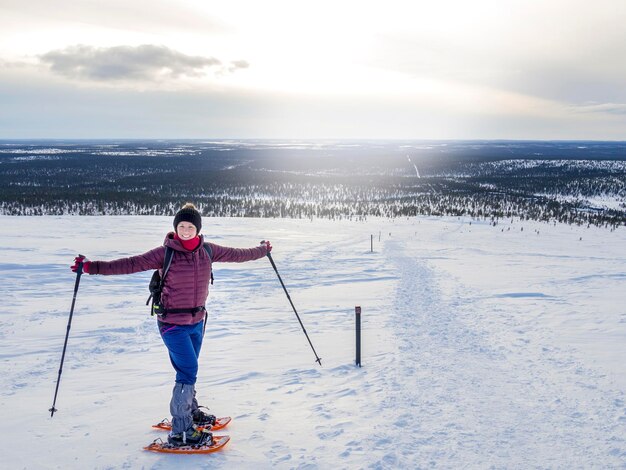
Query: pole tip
pixel 52 410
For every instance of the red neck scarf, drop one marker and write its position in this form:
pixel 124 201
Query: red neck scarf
pixel 189 245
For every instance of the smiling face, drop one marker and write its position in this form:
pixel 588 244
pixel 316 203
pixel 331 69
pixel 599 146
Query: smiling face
pixel 186 230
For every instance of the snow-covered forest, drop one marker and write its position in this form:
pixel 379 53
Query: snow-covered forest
pixel 574 183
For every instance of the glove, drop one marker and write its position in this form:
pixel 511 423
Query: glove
pixel 80 259
pixel 267 244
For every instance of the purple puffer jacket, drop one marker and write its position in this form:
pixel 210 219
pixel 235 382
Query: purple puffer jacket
pixel 187 281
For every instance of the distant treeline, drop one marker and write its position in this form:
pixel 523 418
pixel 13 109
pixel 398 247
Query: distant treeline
pixel 253 184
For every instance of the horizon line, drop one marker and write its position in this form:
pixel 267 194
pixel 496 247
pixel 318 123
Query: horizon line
pixel 295 139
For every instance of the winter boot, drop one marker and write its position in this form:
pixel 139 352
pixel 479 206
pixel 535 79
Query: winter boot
pixel 200 418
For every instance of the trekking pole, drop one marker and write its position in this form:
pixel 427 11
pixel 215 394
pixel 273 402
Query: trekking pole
pixel 79 271
pixel 317 358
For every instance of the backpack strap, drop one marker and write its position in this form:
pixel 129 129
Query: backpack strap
pixel 209 252
pixel 167 261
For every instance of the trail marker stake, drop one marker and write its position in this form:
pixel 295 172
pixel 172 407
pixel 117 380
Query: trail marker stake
pixel 357 311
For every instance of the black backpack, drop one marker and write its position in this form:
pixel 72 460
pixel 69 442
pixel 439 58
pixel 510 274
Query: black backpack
pixel 156 283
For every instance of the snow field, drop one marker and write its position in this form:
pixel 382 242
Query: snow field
pixel 482 348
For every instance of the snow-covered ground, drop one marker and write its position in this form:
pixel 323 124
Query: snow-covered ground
pixel 483 347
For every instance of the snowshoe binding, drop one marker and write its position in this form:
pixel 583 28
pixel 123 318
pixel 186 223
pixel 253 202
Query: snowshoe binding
pixel 191 437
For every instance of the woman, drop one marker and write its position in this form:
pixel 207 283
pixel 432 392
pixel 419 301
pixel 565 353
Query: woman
pixel 181 321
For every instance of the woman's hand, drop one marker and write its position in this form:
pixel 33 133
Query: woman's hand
pixel 77 261
pixel 267 244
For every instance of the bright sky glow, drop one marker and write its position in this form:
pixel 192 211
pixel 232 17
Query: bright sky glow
pixel 353 69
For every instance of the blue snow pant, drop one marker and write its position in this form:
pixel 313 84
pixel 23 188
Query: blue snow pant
pixel 183 343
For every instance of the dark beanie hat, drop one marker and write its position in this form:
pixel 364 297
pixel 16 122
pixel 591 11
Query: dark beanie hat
pixel 188 214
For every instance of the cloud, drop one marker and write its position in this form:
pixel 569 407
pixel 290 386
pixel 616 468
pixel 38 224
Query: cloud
pixel 238 64
pixel 130 63
pixel 605 108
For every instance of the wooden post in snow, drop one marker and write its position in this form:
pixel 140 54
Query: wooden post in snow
pixel 357 311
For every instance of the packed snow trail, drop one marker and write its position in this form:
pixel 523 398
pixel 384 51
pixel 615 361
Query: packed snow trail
pixel 475 404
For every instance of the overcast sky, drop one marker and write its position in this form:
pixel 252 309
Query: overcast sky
pixel 446 69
